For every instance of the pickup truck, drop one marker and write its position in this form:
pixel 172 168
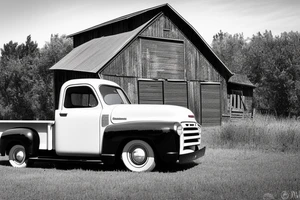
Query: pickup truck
pixel 96 122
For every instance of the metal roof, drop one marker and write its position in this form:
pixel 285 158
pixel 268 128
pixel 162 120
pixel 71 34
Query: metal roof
pixel 107 47
pixel 240 79
pixel 94 54
pixel 118 19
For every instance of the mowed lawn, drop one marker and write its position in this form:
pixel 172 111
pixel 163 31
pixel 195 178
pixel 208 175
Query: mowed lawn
pixel 221 174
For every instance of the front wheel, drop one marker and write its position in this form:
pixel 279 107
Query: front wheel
pixel 138 156
pixel 17 156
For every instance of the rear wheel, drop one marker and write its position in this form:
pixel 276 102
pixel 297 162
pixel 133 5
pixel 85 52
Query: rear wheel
pixel 17 156
pixel 138 156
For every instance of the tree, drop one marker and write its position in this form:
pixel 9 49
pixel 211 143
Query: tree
pixel 230 49
pixel 18 66
pixel 26 84
pixel 271 63
pixel 51 53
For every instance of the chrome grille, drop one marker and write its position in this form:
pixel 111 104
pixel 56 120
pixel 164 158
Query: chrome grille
pixel 191 137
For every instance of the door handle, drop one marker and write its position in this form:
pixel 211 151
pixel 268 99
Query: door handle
pixel 63 114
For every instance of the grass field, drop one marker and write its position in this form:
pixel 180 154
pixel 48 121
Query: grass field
pixel 264 132
pixel 221 174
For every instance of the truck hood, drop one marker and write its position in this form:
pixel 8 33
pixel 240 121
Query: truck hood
pixel 138 112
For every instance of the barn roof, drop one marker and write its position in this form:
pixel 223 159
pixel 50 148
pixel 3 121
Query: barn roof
pixel 94 54
pixel 240 79
pixel 88 56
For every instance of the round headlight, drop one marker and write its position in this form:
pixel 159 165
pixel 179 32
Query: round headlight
pixel 179 129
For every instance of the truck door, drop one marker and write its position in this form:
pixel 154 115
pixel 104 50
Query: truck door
pixel 77 125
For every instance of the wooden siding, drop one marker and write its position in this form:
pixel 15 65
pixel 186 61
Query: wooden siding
pixel 128 84
pixel 194 99
pixel 127 63
pixel 163 92
pixel 162 33
pixel 211 104
pixel 163 27
pixel 162 59
pixel 151 92
pixel 175 93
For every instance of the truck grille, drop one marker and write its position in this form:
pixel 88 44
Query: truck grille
pixel 191 137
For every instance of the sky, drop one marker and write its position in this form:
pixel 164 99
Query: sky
pixel 41 18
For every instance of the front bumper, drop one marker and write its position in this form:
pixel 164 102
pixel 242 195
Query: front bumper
pixel 187 158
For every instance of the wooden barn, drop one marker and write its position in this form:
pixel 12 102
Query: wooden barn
pixel 157 57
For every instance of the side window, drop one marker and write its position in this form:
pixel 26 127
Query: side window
pixel 80 97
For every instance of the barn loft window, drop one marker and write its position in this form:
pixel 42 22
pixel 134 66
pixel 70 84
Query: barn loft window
pixel 163 92
pixel 162 59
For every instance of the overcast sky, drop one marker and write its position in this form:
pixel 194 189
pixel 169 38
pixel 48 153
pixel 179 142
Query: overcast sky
pixel 41 18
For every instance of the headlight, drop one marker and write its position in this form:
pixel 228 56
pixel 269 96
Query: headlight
pixel 199 128
pixel 179 129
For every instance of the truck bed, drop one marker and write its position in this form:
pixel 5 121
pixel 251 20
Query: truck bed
pixel 45 129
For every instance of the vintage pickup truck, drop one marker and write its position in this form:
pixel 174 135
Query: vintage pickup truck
pixel 96 122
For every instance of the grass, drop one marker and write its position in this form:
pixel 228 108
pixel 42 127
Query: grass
pixel 221 174
pixel 229 170
pixel 262 132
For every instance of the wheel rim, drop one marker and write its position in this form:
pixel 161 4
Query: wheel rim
pixel 19 156
pixel 138 155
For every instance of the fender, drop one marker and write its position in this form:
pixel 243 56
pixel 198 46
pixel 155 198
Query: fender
pixel 28 137
pixel 162 136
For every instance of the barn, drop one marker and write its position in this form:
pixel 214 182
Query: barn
pixel 157 57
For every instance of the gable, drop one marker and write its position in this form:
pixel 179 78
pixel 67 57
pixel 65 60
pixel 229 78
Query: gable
pixel 173 22
pixel 162 51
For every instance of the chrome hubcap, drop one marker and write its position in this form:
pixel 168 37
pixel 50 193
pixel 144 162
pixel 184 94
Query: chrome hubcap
pixel 20 156
pixel 138 156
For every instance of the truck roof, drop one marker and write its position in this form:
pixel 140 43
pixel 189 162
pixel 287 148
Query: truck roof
pixel 95 82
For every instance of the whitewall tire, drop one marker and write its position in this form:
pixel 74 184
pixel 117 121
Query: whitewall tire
pixel 17 156
pixel 138 156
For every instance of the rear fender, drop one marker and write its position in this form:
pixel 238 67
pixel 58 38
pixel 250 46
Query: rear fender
pixel 27 137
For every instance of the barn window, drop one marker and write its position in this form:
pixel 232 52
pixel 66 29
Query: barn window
pixel 163 92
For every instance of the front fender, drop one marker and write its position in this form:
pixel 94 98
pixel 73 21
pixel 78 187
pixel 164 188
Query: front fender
pixel 27 137
pixel 160 135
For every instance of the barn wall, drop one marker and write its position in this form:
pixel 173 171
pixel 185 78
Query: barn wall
pixel 139 60
pixel 129 85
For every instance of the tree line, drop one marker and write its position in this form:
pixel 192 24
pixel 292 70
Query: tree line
pixel 26 84
pixel 272 63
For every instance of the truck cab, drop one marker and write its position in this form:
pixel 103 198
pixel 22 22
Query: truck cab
pixel 96 121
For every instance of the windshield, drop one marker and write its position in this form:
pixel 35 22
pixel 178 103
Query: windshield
pixel 113 95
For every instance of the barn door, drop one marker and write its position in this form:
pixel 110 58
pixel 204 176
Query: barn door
pixel 175 93
pixel 150 92
pixel 211 104
pixel 163 92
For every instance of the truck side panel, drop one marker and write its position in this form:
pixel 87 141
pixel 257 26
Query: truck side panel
pixel 44 128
